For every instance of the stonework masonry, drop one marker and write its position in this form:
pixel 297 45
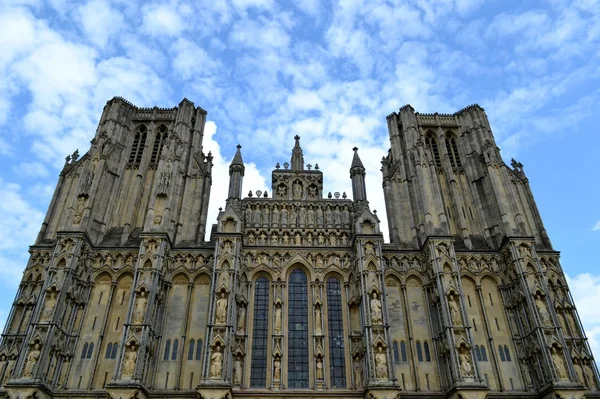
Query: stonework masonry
pixel 296 294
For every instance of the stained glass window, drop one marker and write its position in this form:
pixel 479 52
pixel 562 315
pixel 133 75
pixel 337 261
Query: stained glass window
pixel 298 330
pixel 426 348
pixel 198 349
pixel 419 352
pixel 167 350
pixel 337 364
pixel 396 353
pixel 260 331
pixel 403 350
pixel 175 347
pixel 191 350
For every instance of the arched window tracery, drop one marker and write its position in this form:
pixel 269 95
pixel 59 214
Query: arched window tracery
pixel 419 352
pixel 159 142
pixel 452 150
pixel 137 149
pixel 191 350
pixel 335 322
pixel 403 351
pixel 260 332
pixel 431 143
pixel 167 350
pixel 298 375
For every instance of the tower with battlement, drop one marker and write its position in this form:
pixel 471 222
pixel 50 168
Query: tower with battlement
pixel 296 294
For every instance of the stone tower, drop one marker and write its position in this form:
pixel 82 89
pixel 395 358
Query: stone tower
pixel 296 293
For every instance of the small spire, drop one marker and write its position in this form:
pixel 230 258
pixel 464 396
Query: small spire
pixel 237 158
pixel 356 162
pixel 297 157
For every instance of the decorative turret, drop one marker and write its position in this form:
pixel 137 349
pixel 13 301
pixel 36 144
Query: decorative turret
pixel 236 175
pixel 357 174
pixel 297 157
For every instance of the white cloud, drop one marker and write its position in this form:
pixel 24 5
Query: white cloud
pixel 31 169
pixel 585 289
pixel 596 226
pixel 100 21
pixel 162 20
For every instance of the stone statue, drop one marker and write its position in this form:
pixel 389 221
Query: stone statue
pixel 129 362
pixel 298 239
pixel 380 364
pixel 140 308
pixel 376 315
pixel 284 216
pixel 559 364
pixel 302 216
pixel 333 240
pixel 224 277
pixel 32 359
pixel 454 310
pixel 318 322
pixel 216 363
pixel 328 216
pixel 278 319
pixel 257 215
pixel 293 216
pixel 237 371
pixel 286 239
pixel 79 210
pixel 319 368
pixel 337 218
pixel 248 215
pixel 310 216
pixel 346 216
pixel 358 372
pixel 297 187
pixel 265 215
pixel 540 304
pixel 321 239
pixel 241 319
pixel 49 306
pixel 275 216
pixel 221 316
pixel 319 216
pixel 274 239
pixel 465 364
pixel 277 369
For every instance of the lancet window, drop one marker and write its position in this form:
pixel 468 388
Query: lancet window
pixel 260 330
pixel 159 142
pixel 337 364
pixel 298 330
pixel 452 150
pixel 431 143
pixel 137 149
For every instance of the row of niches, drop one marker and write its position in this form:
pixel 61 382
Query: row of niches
pixel 118 260
pixel 297 238
pixel 277 259
pixel 293 215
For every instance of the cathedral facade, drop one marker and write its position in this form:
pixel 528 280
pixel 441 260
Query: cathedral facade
pixel 296 294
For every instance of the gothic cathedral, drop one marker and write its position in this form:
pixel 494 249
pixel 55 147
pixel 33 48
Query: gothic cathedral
pixel 296 294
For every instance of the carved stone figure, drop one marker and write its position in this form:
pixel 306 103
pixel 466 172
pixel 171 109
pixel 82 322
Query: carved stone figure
pixel 328 216
pixel 284 216
pixel 321 239
pixel 49 306
pixel 358 372
pixel 302 216
pixel 257 216
pixel 346 216
pixel 540 304
pixel 275 216
pixel 376 315
pixel 318 321
pixel 221 314
pixel 223 277
pixel 79 208
pixel 297 187
pixel 241 319
pixel 293 216
pixel 129 361
pixel 454 310
pixel 319 216
pixel 337 217
pixel 237 370
pixel 286 239
pixel 319 368
pixel 277 319
pixel 216 362
pixel 32 359
pixel 274 239
pixel 465 364
pixel 333 240
pixel 310 216
pixel 140 308
pixel 277 369
pixel 265 215
pixel 248 215
pixel 559 364
pixel 380 364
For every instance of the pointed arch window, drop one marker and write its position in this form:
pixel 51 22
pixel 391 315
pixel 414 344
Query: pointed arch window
pixel 403 351
pixel 426 349
pixel 452 150
pixel 298 330
pixel 108 351
pixel 483 354
pixel 506 353
pixel 159 142
pixel 477 353
pixel 431 143
pixel 396 352
pixel 137 149
pixel 419 352
pixel 191 350
pixel 175 347
pixel 84 350
pixel 501 353
pixel 198 349
pixel 260 334
pixel 335 323
pixel 113 354
pixel 167 350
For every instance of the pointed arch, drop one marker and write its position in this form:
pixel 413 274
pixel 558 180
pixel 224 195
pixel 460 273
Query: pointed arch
pixel 84 350
pixel 175 348
pixel 298 364
pixel 191 349
pixel 396 352
pixel 426 350
pixel 115 346
pixel 432 145
pixel 335 326
pixel 160 139
pixel 108 353
pixel 452 150
pixel 137 148
pixel 260 333
pixel 167 350
pixel 90 350
pixel 403 351
pixel 419 352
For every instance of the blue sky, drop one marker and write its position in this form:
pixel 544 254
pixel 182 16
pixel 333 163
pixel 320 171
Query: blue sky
pixel 266 70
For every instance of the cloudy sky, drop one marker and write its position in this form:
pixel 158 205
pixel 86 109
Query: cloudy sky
pixel 266 70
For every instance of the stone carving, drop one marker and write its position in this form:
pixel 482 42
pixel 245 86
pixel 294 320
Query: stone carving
pixel 32 358
pixel 466 368
pixel 319 368
pixel 319 217
pixel 318 321
pixel 380 364
pixel 266 214
pixel 454 310
pixel 224 276
pixel 358 372
pixel 216 362
pixel 257 216
pixel 241 319
pixel 540 304
pixel 376 315
pixel 302 216
pixel 221 313
pixel 237 370
pixel 328 216
pixel 79 208
pixel 277 318
pixel 164 182
pixel 293 216
pixel 49 306
pixel 559 364
pixel 284 216
pixel 310 216
pixel 277 369
pixel 140 308
pixel 129 361
pixel 297 190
